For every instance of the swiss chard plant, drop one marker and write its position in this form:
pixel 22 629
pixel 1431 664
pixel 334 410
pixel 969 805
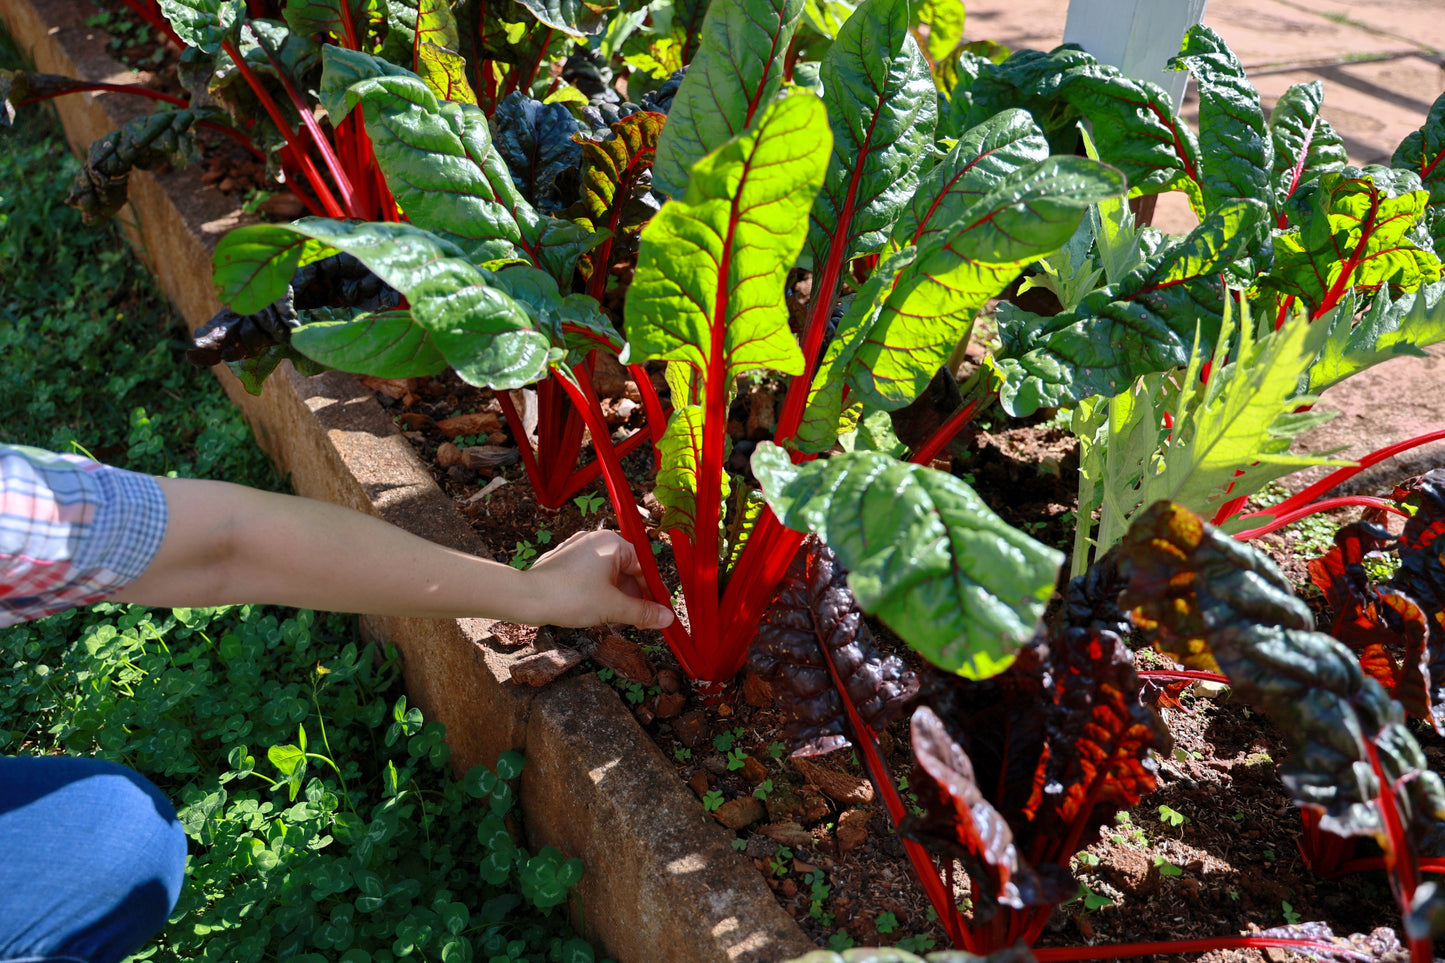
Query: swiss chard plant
pixel 757 180
pixel 1355 766
pixel 1286 227
pixel 1018 771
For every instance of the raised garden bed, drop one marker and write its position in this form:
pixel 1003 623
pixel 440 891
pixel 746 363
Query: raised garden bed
pixel 337 443
pixel 662 882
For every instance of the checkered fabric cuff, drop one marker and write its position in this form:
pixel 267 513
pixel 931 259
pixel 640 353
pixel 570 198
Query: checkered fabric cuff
pixel 72 531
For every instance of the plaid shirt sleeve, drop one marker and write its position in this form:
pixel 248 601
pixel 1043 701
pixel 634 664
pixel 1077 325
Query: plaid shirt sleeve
pixel 72 531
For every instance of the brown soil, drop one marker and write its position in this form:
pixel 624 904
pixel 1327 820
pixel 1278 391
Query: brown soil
pixel 1231 866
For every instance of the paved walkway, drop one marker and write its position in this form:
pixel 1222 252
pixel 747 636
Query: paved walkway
pixel 1382 63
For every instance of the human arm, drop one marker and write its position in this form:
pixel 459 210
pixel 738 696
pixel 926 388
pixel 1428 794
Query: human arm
pixel 226 543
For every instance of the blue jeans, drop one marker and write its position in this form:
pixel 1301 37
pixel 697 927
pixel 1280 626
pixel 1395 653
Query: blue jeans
pixel 91 860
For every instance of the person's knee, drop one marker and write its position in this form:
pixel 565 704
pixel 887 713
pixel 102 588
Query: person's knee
pixel 100 851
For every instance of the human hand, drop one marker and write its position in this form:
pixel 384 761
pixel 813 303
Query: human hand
pixel 591 578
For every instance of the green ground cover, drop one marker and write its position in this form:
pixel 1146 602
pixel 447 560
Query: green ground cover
pixel 323 822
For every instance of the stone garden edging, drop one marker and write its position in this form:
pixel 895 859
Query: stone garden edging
pixel 662 883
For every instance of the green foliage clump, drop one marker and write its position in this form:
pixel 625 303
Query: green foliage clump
pixel 323 823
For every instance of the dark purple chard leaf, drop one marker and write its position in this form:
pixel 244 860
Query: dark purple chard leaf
pixel 1189 581
pixel 1423 152
pixel 1091 600
pixel 1146 323
pixel 1305 145
pixel 1422 544
pixel 1102 741
pixel 1358 620
pixel 961 823
pixel 1237 154
pixel 1353 228
pixel 1135 128
pixel 148 142
pixel 536 141
pixel 882 108
pixel 738 70
pixel 814 621
pixel 923 553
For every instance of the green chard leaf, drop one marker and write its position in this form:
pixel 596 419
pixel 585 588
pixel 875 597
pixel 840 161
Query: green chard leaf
pixel 979 162
pixel 1146 323
pixel 1028 80
pixel 708 291
pixel 1355 228
pixel 924 553
pixel 385 344
pixel 1305 145
pixel 680 449
pixel 1237 151
pixel 482 332
pixel 1389 329
pixel 738 70
pixel 442 167
pixel 1423 152
pixel 931 300
pixel 709 283
pixel 349 23
pixel 882 108
pixel 576 18
pixel 1135 128
pixel 205 24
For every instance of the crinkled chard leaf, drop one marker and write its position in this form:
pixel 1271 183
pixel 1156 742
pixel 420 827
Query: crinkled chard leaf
pixel 738 70
pixel 925 554
pixel 165 137
pixel 1028 80
pixel 1422 544
pixel 1192 587
pixel 1355 228
pixel 982 159
pixel 882 108
pixel 1236 150
pixel 1053 747
pixel 870 954
pixel 536 141
pixel 962 824
pixel 815 621
pixel 1305 145
pixel 1135 128
pixel 1146 323
pixel 1423 152
pixel 680 456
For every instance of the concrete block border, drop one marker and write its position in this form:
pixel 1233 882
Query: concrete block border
pixel 662 883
